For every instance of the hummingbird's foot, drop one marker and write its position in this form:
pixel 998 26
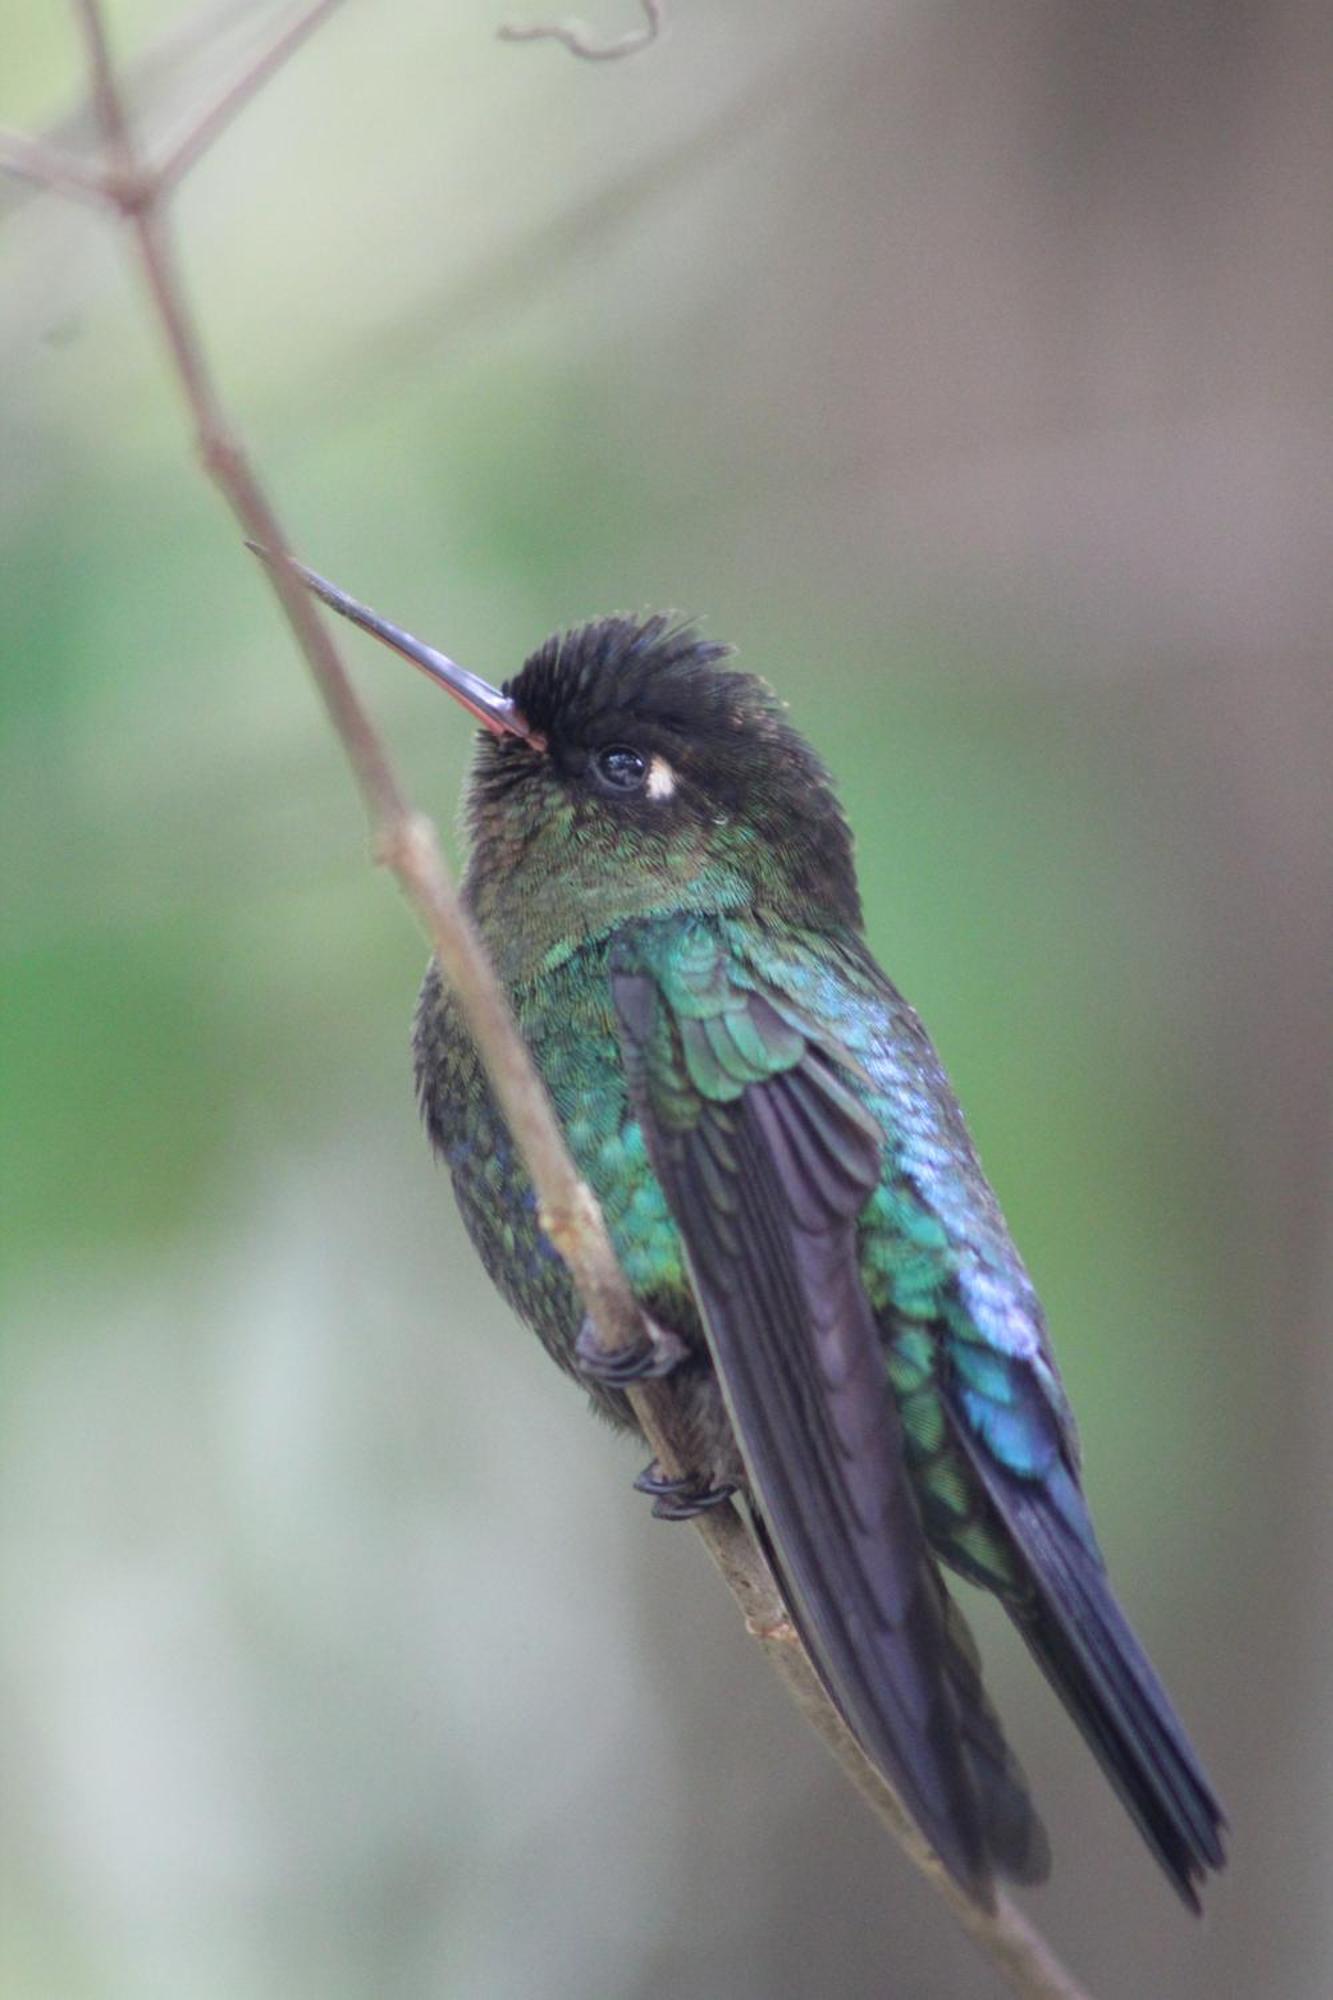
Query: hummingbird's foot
pixel 659 1485
pixel 682 1498
pixel 656 1353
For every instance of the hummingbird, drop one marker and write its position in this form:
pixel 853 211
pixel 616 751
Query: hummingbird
pixel 663 875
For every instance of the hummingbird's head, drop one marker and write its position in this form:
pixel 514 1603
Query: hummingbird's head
pixel 646 760
pixel 629 768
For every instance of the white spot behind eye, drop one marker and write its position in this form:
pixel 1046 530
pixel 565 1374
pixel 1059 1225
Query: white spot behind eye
pixel 661 779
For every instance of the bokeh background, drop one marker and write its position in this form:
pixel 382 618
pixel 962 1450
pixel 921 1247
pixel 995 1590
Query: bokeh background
pixel 970 367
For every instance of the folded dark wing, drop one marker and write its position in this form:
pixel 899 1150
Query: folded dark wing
pixel 767 1158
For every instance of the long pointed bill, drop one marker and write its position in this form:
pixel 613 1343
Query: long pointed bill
pixel 495 711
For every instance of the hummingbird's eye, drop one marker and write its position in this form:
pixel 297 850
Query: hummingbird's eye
pixel 620 768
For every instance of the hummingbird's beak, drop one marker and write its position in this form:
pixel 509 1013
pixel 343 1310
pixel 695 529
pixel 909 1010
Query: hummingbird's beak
pixel 495 711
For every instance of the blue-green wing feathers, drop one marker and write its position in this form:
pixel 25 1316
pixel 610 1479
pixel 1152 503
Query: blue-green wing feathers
pixel 768 1156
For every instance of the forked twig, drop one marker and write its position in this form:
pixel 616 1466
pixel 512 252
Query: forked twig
pixel 44 163
pixel 406 841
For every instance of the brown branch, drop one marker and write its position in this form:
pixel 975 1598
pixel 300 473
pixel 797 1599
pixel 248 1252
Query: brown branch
pixel 43 165
pixel 574 36
pixel 407 843
pixel 212 123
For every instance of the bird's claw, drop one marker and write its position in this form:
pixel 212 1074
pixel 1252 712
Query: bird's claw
pixel 654 1354
pixel 680 1498
pixel 659 1485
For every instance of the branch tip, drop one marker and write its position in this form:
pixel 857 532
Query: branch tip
pixel 573 36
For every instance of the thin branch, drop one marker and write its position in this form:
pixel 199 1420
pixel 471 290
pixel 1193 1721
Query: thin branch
pixel 212 123
pixel 407 842
pixel 221 452
pixel 575 37
pixel 155 71
pixel 43 165
pixel 404 839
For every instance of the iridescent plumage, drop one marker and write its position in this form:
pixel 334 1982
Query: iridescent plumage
pixel 791 1188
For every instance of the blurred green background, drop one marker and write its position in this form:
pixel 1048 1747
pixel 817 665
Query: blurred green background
pixel 969 367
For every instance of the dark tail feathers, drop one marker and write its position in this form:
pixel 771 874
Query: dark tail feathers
pixel 1015 1838
pixel 1084 1644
